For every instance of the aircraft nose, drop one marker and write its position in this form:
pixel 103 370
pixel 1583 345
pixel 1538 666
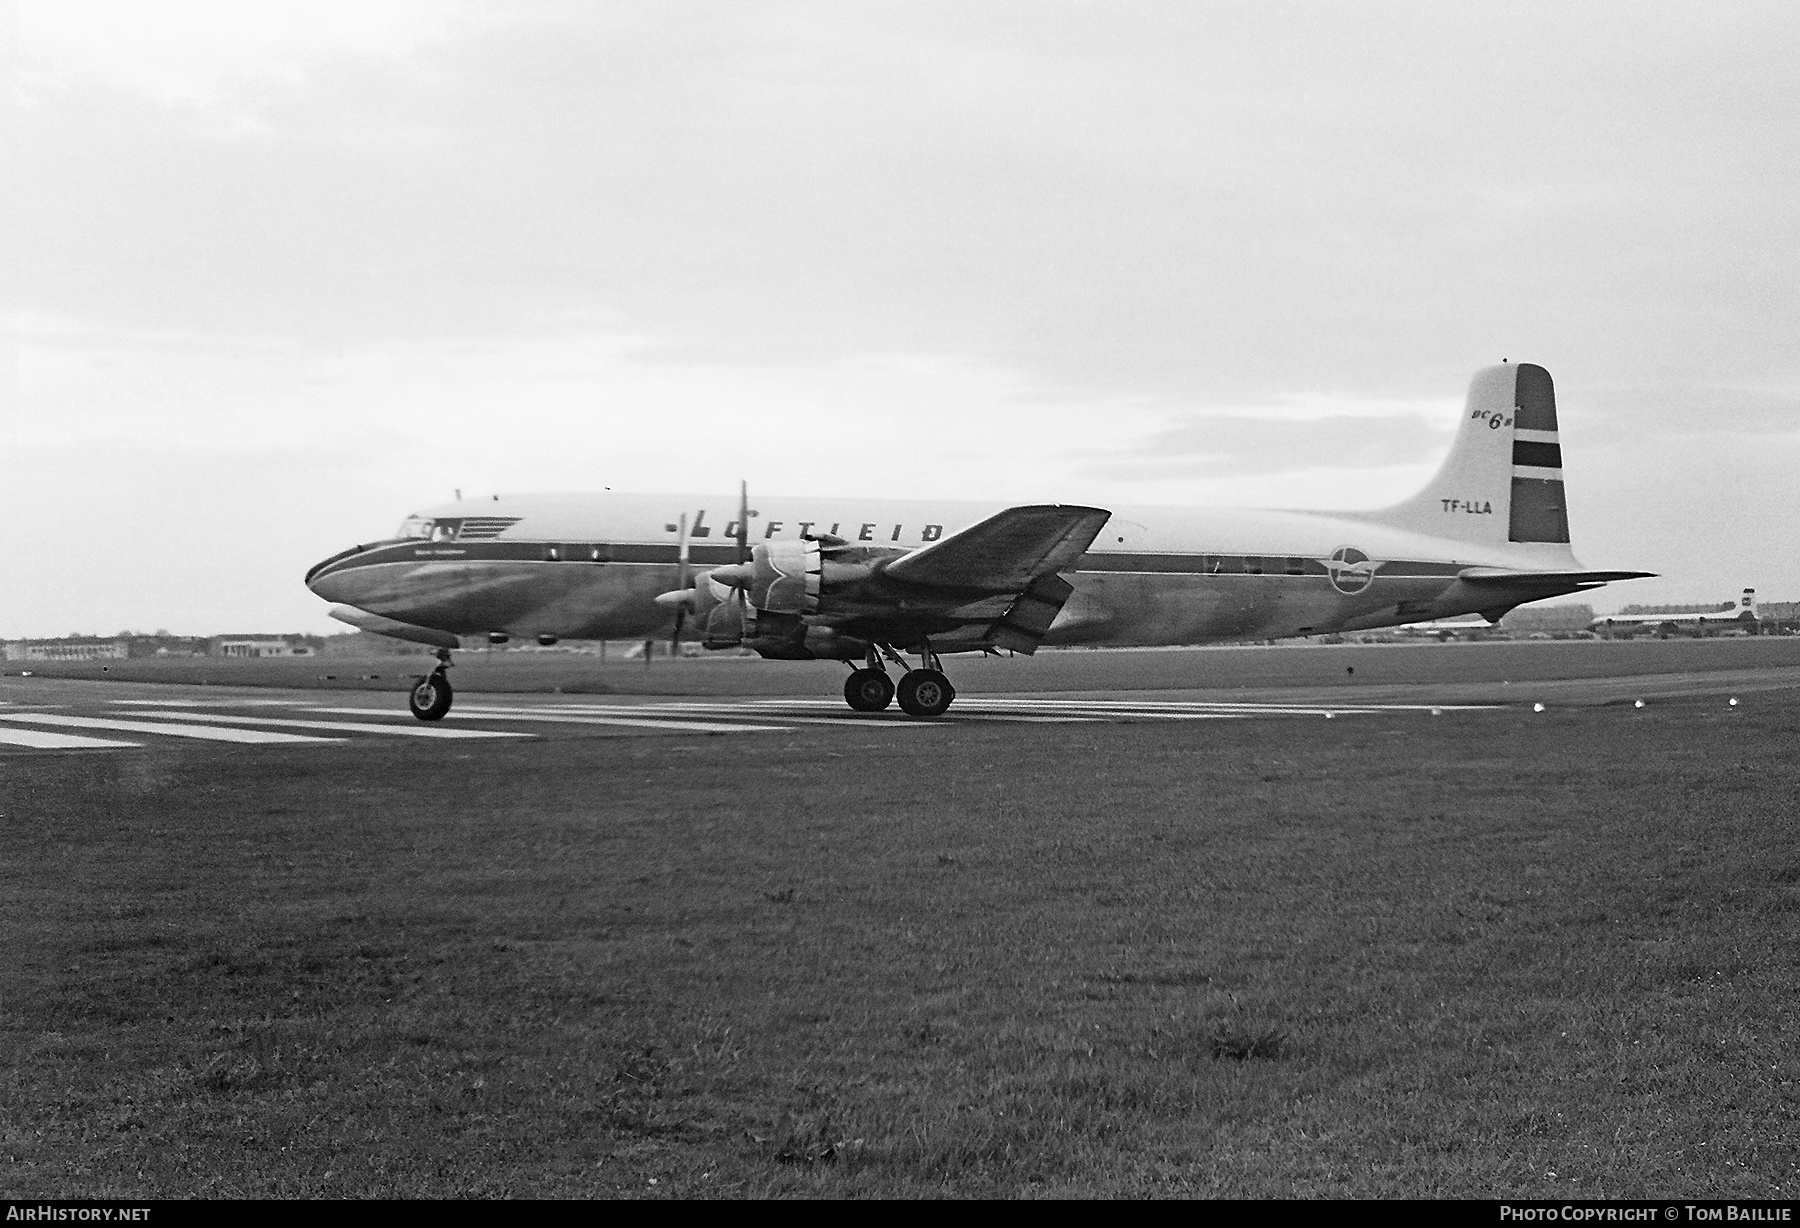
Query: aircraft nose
pixel 329 579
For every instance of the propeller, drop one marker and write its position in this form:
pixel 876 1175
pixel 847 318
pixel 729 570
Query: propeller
pixel 735 577
pixel 740 593
pixel 743 533
pixel 682 570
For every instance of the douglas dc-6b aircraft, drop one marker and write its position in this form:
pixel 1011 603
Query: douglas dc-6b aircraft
pixel 864 580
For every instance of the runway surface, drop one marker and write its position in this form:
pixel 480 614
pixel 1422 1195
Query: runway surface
pixel 85 718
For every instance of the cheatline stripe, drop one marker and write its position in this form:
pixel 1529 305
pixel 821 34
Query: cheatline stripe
pixel 58 741
pixel 208 733
pixel 585 719
pixel 415 731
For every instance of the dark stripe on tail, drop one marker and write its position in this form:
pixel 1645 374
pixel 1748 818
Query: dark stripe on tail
pixel 1537 455
pixel 1538 512
pixel 1535 397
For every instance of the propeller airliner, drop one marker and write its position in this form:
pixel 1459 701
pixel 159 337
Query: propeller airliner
pixel 867 581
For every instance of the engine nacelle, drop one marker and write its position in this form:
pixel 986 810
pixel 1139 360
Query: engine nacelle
pixel 781 577
pixel 765 603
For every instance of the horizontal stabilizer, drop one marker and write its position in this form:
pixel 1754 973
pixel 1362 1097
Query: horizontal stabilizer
pixel 362 620
pixel 1569 581
pixel 1005 552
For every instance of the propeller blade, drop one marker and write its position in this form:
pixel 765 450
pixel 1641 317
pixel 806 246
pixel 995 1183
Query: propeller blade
pixel 743 522
pixel 681 586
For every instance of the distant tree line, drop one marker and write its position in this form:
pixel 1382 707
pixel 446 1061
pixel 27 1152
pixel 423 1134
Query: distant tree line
pixel 1554 619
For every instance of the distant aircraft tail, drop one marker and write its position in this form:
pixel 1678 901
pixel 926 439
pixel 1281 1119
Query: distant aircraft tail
pixel 1502 481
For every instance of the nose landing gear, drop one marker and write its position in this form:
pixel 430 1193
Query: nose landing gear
pixel 431 697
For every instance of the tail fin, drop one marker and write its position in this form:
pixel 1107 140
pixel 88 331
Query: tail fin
pixel 1502 481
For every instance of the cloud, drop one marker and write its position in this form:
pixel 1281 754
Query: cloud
pixel 1693 410
pixel 1214 253
pixel 204 53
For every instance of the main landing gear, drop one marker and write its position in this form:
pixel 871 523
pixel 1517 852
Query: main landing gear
pixel 430 699
pixel 922 692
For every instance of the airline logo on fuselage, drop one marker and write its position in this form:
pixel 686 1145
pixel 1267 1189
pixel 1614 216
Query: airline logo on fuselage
pixel 1351 570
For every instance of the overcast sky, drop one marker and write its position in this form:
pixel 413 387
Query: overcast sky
pixel 284 272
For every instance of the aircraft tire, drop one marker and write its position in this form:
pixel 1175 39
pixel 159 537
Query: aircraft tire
pixel 925 692
pixel 868 690
pixel 431 698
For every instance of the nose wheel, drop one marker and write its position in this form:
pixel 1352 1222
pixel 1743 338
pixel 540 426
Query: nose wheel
pixel 431 698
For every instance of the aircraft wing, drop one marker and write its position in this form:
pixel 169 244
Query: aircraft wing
pixel 1006 552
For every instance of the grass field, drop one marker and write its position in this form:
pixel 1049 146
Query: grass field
pixel 1483 954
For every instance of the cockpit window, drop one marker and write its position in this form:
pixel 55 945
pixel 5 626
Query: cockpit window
pixel 424 528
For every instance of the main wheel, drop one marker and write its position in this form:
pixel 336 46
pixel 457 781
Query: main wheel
pixel 925 692
pixel 868 690
pixel 431 698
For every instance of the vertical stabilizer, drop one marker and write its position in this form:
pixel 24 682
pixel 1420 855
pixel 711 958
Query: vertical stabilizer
pixel 1502 482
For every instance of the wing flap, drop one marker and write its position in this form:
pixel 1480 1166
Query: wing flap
pixel 1005 552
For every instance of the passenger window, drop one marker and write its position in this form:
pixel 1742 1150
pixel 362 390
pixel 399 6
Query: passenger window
pixel 1296 567
pixel 1253 565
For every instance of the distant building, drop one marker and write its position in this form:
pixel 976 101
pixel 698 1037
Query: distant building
pixel 74 648
pixel 260 646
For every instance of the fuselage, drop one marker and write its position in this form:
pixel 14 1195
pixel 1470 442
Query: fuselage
pixel 589 566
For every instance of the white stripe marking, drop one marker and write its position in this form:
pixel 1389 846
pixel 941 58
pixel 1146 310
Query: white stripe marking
pixel 678 711
pixel 57 741
pixel 632 722
pixel 206 732
pixel 415 731
pixel 207 703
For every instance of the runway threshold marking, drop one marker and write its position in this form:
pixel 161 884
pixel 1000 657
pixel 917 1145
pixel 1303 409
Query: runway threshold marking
pixel 38 739
pixel 413 731
pixel 210 733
